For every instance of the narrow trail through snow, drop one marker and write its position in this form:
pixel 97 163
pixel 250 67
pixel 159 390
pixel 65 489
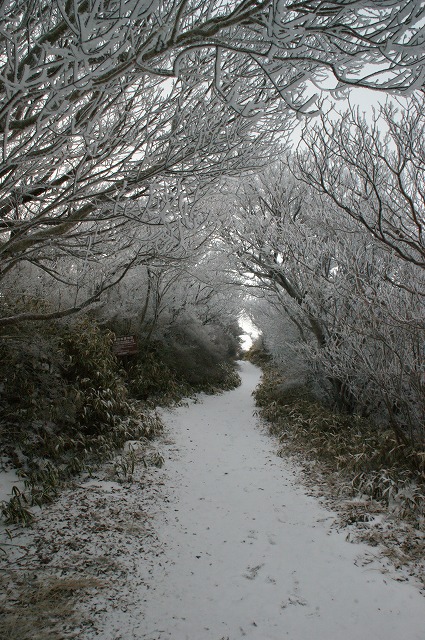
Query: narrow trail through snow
pixel 247 553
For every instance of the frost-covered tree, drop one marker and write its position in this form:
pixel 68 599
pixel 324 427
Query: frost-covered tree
pixel 274 242
pixel 107 107
pixel 198 283
pixel 354 308
pixel 173 228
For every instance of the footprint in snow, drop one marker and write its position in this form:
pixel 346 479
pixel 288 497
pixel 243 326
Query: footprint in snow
pixel 294 600
pixel 252 572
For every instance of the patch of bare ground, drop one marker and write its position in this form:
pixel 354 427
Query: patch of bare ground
pixel 40 607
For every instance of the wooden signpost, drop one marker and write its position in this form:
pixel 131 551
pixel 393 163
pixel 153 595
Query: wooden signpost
pixel 125 346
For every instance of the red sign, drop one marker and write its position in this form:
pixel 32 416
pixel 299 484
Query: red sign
pixel 125 346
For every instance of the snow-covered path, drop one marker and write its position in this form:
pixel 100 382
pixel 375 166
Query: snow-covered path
pixel 247 553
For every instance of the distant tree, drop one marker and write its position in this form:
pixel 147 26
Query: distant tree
pixel 269 234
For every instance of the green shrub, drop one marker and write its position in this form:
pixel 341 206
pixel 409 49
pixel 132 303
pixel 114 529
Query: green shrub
pixel 186 361
pixel 96 383
pixel 65 407
pixel 150 379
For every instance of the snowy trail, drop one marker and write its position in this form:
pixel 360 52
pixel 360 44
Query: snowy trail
pixel 247 553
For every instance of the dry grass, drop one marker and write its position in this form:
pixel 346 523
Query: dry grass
pixel 41 608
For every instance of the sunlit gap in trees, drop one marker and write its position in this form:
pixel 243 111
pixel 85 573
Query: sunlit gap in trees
pixel 250 331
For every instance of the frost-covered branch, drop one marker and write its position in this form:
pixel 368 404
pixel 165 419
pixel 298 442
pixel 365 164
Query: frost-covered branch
pixel 376 178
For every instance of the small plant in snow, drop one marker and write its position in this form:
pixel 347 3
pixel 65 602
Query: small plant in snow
pixel 156 459
pixel 16 510
pixel 124 466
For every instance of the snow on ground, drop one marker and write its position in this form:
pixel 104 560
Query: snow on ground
pixel 221 543
pixel 248 554
pixel 8 479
